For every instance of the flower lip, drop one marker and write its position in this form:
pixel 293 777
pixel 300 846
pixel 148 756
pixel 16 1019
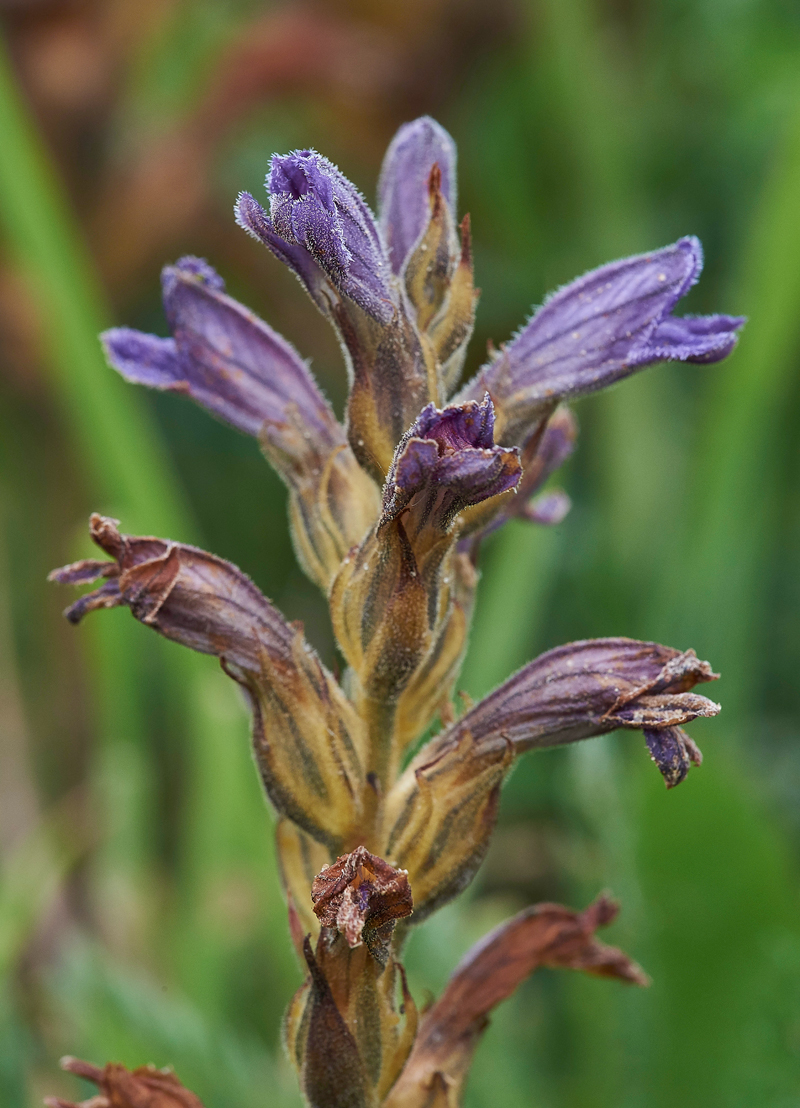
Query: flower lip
pixel 298 174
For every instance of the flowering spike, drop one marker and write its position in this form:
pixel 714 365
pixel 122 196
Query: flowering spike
pixel 362 840
pixel 403 187
pixel 601 328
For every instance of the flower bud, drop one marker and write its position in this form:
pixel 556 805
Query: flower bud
pixel 403 188
pixel 313 205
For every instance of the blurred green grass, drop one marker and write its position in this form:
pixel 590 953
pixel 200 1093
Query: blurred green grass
pixel 591 131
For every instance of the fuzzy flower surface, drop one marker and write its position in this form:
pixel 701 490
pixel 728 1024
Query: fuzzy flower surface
pixel 388 511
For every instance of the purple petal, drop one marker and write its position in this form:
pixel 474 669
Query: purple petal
pixel 703 339
pixel 252 218
pixel 313 205
pixel 599 328
pixel 403 187
pixel 446 461
pixel 673 752
pixel 226 359
pixel 549 509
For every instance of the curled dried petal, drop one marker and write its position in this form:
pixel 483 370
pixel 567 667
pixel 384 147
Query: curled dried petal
pixel 361 896
pixel 545 935
pixel 145 1087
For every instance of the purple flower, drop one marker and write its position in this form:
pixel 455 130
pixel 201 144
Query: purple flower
pixel 313 205
pixel 446 461
pixel 226 359
pixel 403 203
pixel 237 367
pixel 599 329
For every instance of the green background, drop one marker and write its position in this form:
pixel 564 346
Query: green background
pixel 140 914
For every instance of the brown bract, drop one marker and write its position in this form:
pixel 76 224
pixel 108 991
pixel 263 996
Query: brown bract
pixel 145 1087
pixel 544 935
pixel 361 896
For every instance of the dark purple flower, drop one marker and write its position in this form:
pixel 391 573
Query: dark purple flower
pixel 601 328
pixel 403 203
pixel 313 205
pixel 446 461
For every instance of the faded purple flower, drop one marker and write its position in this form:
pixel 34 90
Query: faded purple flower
pixel 308 741
pixel 588 688
pixel 601 328
pixel 403 187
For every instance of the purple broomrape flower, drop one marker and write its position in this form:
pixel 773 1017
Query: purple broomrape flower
pixel 446 461
pixel 394 604
pixel 225 358
pixel 600 329
pixel 404 183
pixel 313 205
pixel 234 365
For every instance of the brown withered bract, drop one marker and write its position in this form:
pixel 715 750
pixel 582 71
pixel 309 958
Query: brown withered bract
pixel 361 896
pixel 145 1087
